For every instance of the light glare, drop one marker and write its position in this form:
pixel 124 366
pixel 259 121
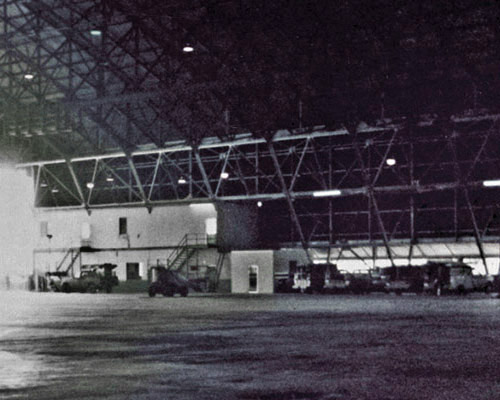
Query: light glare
pixel 327 193
pixel 490 183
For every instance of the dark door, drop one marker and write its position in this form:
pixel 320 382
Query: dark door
pixel 133 271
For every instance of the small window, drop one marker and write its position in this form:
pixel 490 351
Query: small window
pixel 133 271
pixel 122 226
pixel 44 228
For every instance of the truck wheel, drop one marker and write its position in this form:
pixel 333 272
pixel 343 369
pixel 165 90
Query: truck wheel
pixel 184 292
pixel 66 288
pixel 461 290
pixel 151 292
pixel 487 289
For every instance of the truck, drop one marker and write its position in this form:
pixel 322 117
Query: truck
pixel 169 283
pixel 454 277
pixel 435 277
pixel 93 278
pixel 400 279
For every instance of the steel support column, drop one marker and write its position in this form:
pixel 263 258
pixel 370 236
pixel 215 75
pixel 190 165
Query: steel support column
pixel 289 200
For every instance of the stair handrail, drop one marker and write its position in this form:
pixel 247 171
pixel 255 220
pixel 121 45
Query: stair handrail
pixel 64 259
pixel 177 250
pixel 73 258
pixel 188 240
pixel 72 262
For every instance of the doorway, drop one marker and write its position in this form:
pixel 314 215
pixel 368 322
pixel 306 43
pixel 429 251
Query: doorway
pixel 133 271
pixel 253 279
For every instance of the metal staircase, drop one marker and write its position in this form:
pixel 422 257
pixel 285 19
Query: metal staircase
pixel 63 268
pixel 185 249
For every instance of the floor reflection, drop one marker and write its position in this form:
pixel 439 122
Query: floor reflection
pixel 17 371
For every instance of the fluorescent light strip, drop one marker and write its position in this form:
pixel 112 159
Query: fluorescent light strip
pixel 495 182
pixel 327 193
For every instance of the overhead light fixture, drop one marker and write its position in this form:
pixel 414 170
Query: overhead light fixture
pixel 259 204
pixel 110 178
pixel 28 76
pixel 90 185
pixel 188 48
pixel 95 32
pixel 224 175
pixel 327 193
pixel 181 181
pixel 43 184
pixel 55 190
pixel 390 161
pixel 490 183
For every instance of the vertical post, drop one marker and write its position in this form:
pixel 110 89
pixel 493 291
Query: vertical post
pixel 369 187
pixel 191 173
pixel 289 200
pixel 412 197
pixel 477 236
pixel 203 174
pixel 458 177
pixel 256 168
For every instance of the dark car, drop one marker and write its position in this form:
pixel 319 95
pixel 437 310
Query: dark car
pixel 168 283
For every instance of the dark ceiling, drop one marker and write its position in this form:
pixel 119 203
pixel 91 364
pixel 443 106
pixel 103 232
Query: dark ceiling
pixel 257 66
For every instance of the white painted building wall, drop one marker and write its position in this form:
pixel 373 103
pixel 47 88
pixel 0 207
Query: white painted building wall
pixel 241 261
pixel 149 240
pixel 164 227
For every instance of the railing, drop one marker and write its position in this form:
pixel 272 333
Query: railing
pixel 189 240
pixel 73 254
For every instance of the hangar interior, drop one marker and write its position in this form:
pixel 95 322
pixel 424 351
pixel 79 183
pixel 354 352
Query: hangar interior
pixel 313 133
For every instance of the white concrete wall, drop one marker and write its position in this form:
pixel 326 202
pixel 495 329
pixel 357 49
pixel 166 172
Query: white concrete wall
pixel 242 260
pixel 163 228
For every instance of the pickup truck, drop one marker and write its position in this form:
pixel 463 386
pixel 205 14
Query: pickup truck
pixel 454 277
pixel 92 279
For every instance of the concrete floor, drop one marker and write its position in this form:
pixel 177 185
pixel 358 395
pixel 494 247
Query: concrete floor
pixel 118 346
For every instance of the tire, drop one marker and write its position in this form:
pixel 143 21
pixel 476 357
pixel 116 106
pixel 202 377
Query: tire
pixel 461 290
pixel 65 287
pixel 488 288
pixel 151 292
pixel 184 292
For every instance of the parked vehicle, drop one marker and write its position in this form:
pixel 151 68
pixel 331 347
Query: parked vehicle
pixel 337 281
pixel 169 283
pixel 455 277
pixel 403 279
pixel 92 279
